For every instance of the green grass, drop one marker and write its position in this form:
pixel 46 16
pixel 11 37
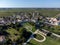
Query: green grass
pixel 55 29
pixel 28 26
pixel 12 33
pixel 44 11
pixel 49 11
pixel 39 37
pixel 49 41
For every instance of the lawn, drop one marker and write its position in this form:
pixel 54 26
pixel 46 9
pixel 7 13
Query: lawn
pixel 39 37
pixel 55 29
pixel 14 34
pixel 49 41
pixel 12 31
pixel 29 27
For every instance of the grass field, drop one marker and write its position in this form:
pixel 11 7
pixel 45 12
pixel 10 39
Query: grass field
pixel 14 34
pixel 55 29
pixel 29 27
pixel 49 41
pixel 39 37
pixel 52 12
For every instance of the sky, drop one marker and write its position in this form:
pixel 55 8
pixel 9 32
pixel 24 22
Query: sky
pixel 29 3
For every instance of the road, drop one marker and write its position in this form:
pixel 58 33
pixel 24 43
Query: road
pixel 42 34
pixel 32 37
pixel 56 35
pixel 52 33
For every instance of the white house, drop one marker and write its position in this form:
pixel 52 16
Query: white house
pixel 2 38
pixel 54 21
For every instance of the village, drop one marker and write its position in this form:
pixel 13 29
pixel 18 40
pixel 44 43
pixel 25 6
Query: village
pixel 29 22
pixel 25 17
pixel 35 18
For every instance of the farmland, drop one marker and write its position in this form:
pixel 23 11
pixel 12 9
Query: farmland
pixel 44 11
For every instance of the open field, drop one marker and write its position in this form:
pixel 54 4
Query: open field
pixel 49 41
pixel 14 34
pixel 55 29
pixel 44 11
pixel 39 37
pixel 29 27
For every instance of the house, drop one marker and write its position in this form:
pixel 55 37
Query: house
pixel 33 20
pixel 18 18
pixel 53 21
pixel 2 22
pixel 13 21
pixel 2 38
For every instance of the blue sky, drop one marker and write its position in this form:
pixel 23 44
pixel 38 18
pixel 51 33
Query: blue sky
pixel 30 3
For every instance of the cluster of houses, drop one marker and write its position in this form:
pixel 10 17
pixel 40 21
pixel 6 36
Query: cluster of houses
pixel 7 20
pixel 18 18
pixel 26 17
pixel 53 21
